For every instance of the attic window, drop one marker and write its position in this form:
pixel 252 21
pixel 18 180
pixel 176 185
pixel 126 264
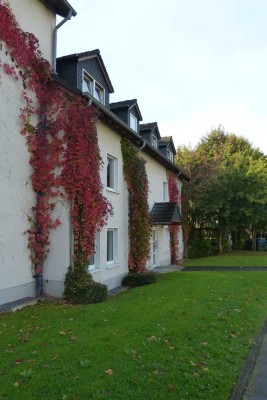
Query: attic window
pixel 133 122
pixel 90 85
pixel 170 155
pixel 154 141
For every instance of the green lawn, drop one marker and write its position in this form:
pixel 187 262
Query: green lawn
pixel 236 259
pixel 183 338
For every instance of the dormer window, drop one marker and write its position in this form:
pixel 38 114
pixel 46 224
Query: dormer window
pixel 90 85
pixel 133 122
pixel 154 141
pixel 170 155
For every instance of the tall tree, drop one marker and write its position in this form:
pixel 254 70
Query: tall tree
pixel 228 188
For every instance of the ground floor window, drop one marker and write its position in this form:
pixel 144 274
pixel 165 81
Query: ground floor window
pixel 112 246
pixel 94 262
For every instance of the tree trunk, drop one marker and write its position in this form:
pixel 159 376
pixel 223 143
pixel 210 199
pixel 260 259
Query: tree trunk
pixel 254 242
pixel 220 241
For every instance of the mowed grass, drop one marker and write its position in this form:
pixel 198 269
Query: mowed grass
pixel 235 259
pixel 185 337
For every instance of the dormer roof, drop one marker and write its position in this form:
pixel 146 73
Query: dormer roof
pixel 60 7
pixel 166 141
pixel 129 104
pixel 86 56
pixel 151 127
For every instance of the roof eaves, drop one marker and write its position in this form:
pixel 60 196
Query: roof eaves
pixel 60 7
pixel 126 131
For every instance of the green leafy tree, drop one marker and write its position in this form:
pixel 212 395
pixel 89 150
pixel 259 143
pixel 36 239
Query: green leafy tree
pixel 228 188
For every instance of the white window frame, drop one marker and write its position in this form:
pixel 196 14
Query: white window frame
pixel 95 85
pixel 170 155
pixel 133 121
pixel 115 248
pixel 94 267
pixel 165 192
pixel 154 141
pixel 114 160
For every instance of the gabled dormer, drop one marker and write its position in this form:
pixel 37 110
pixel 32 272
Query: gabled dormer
pixel 129 112
pixel 87 72
pixel 167 148
pixel 150 132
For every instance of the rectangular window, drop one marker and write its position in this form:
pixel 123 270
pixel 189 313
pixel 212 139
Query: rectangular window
pixel 133 122
pixel 91 86
pixel 154 141
pixel 94 262
pixel 112 173
pixel 112 246
pixel 170 155
pixel 88 84
pixel 165 192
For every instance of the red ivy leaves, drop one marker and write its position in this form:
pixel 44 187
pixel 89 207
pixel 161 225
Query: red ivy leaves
pixel 64 147
pixel 174 197
pixel 139 216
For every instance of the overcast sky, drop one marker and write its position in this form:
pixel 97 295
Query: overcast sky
pixel 192 65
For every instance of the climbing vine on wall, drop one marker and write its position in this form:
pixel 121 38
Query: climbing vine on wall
pixel 139 217
pixel 63 145
pixel 174 197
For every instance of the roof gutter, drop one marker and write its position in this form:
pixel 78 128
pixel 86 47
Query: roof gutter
pixel 54 49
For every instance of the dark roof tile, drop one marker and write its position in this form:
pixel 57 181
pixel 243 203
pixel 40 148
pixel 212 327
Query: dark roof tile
pixel 166 214
pixel 126 104
pixel 60 7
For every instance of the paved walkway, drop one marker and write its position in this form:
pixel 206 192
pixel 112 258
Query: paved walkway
pixel 257 385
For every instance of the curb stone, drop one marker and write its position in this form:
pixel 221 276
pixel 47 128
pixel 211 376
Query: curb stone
pixel 246 372
pixel 243 269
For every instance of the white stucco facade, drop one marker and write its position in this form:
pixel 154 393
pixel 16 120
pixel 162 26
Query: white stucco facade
pixel 110 263
pixel 17 197
pixel 158 183
pixel 34 17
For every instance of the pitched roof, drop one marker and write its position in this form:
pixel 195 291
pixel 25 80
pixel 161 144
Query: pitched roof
pixel 91 54
pixel 148 127
pixel 166 214
pixel 165 140
pixel 123 129
pixel 60 7
pixel 126 104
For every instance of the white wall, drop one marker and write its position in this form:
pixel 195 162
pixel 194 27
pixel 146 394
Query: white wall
pixel 17 196
pixel 34 17
pixel 109 143
pixel 157 174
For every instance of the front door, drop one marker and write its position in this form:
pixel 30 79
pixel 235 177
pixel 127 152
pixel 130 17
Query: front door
pixel 154 247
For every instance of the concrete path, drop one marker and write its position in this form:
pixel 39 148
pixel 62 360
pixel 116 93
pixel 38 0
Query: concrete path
pixel 257 385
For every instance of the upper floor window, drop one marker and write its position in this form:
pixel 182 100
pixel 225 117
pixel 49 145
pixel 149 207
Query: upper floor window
pixel 133 122
pixel 170 155
pixel 165 191
pixel 94 88
pixel 154 141
pixel 112 173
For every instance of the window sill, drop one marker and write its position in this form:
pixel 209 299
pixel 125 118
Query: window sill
pixel 93 270
pixel 112 190
pixel 109 266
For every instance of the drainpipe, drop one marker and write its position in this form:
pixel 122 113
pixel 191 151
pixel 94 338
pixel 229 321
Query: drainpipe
pixel 54 49
pixel 142 146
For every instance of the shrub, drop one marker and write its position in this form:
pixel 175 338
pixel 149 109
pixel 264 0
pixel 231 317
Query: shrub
pixel 134 279
pixel 81 289
pixel 201 248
